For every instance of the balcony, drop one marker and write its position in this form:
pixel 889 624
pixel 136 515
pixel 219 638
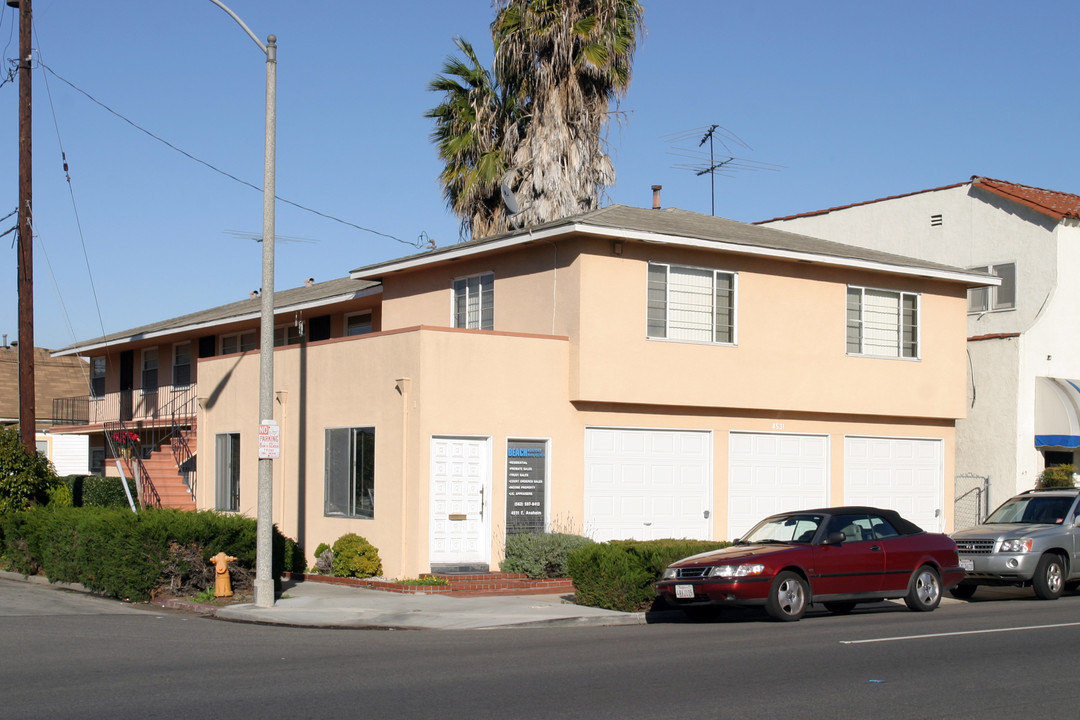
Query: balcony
pixel 168 403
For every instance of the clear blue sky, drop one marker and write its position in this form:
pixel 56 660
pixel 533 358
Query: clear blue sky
pixel 855 100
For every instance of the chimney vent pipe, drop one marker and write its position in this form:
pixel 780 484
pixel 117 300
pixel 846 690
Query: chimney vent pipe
pixel 656 196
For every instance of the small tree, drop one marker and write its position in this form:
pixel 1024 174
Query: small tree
pixel 25 480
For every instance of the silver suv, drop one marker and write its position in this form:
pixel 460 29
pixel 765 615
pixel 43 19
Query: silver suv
pixel 1033 539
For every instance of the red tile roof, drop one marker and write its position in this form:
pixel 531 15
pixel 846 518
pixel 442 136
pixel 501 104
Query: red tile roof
pixel 1058 205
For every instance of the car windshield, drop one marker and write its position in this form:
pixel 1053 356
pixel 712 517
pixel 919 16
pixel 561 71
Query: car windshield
pixel 1028 509
pixel 784 528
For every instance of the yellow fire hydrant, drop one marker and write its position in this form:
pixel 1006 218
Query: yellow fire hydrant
pixel 222 582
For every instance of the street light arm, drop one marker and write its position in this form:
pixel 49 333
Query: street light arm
pixel 240 22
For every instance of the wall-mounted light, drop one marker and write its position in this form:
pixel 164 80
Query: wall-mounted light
pixel 616 247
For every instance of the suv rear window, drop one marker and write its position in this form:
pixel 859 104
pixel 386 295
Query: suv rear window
pixel 1026 509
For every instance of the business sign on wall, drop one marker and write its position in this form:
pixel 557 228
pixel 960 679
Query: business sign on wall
pixel 526 486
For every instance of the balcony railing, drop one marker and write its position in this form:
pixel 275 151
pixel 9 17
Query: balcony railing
pixel 163 404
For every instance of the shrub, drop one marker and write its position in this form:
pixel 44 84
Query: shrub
pixel 97 491
pixel 540 555
pixel 25 478
pixel 1059 476
pixel 355 557
pixel 619 575
pixel 131 556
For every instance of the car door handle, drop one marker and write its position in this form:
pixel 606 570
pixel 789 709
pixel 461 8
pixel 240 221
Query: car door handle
pixel 875 548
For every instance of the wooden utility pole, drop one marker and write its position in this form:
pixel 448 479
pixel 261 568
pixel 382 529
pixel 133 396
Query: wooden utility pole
pixel 27 411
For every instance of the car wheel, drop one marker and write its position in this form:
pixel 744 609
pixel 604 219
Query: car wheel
pixel 1049 579
pixel 924 593
pixel 839 608
pixel 963 591
pixel 787 597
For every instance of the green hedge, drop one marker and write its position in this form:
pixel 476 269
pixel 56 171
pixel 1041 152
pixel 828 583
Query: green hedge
pixel 540 555
pixel 619 575
pixel 129 555
pixel 97 491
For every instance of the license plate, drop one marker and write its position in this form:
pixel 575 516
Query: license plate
pixel 685 592
pixel 967 565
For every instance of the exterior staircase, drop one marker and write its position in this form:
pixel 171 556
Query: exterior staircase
pixel 170 482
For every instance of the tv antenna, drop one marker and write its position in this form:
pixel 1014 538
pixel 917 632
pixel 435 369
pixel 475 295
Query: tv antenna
pixel 727 164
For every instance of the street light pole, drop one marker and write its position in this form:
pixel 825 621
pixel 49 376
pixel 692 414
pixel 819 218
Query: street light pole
pixel 264 580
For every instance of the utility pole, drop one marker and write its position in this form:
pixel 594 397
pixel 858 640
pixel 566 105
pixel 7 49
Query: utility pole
pixel 27 411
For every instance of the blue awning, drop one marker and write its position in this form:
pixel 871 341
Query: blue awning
pixel 1057 413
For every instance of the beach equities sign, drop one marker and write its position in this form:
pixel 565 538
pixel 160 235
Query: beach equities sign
pixel 526 486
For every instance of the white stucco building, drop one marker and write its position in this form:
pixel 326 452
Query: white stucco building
pixel 1023 337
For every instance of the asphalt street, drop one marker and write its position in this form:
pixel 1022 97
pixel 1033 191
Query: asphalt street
pixel 68 655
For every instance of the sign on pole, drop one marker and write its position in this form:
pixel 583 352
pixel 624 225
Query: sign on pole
pixel 269 440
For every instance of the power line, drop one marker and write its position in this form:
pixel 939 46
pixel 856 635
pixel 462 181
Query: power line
pixel 213 167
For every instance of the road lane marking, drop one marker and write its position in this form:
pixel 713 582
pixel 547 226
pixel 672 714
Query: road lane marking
pixel 951 634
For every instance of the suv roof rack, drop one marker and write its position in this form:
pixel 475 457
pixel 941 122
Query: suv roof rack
pixel 1051 489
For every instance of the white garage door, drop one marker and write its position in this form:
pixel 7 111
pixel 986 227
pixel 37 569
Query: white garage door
pixel 771 473
pixel 899 473
pixel 647 484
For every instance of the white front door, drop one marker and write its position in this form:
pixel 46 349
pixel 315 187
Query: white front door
pixel 460 488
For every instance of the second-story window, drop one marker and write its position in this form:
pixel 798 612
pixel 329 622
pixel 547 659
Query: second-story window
pixel 181 369
pixel 883 323
pixel 474 302
pixel 1002 297
pixel 239 342
pixel 690 304
pixel 97 377
pixel 359 323
pixel 149 370
pixel 287 335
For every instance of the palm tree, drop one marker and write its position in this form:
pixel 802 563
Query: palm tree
pixel 535 122
pixel 476 127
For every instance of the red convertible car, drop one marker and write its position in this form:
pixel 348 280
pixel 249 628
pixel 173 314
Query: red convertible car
pixel 837 557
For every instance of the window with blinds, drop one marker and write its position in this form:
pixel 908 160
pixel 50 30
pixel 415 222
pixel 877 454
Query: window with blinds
pixel 882 323
pixel 690 304
pixel 474 302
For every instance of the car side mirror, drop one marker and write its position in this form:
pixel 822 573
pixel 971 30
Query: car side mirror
pixel 835 538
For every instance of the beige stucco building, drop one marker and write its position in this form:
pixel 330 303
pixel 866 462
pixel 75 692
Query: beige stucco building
pixel 623 373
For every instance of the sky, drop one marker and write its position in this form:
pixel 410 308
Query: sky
pixel 159 109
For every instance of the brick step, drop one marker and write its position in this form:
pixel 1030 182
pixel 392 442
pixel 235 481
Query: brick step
pixel 475 585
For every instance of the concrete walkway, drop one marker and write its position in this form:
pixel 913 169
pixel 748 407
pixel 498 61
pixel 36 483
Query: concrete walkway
pixel 314 604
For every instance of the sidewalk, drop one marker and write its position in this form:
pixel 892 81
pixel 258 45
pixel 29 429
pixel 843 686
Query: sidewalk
pixel 315 604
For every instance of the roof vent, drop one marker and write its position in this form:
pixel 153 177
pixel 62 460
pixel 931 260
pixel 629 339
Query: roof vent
pixel 309 282
pixel 656 196
pixel 936 220
pixel 253 294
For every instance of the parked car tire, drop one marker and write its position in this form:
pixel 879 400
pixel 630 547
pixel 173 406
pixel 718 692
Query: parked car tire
pixel 787 597
pixel 924 592
pixel 839 608
pixel 963 591
pixel 1049 578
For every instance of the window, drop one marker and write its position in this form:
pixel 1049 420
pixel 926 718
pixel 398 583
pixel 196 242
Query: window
pixel 358 324
pixel 474 302
pixel 693 304
pixel 883 323
pixel 239 342
pixel 181 368
pixel 97 378
pixel 1002 297
pixel 288 334
pixel 227 466
pixel 149 370
pixel 350 472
